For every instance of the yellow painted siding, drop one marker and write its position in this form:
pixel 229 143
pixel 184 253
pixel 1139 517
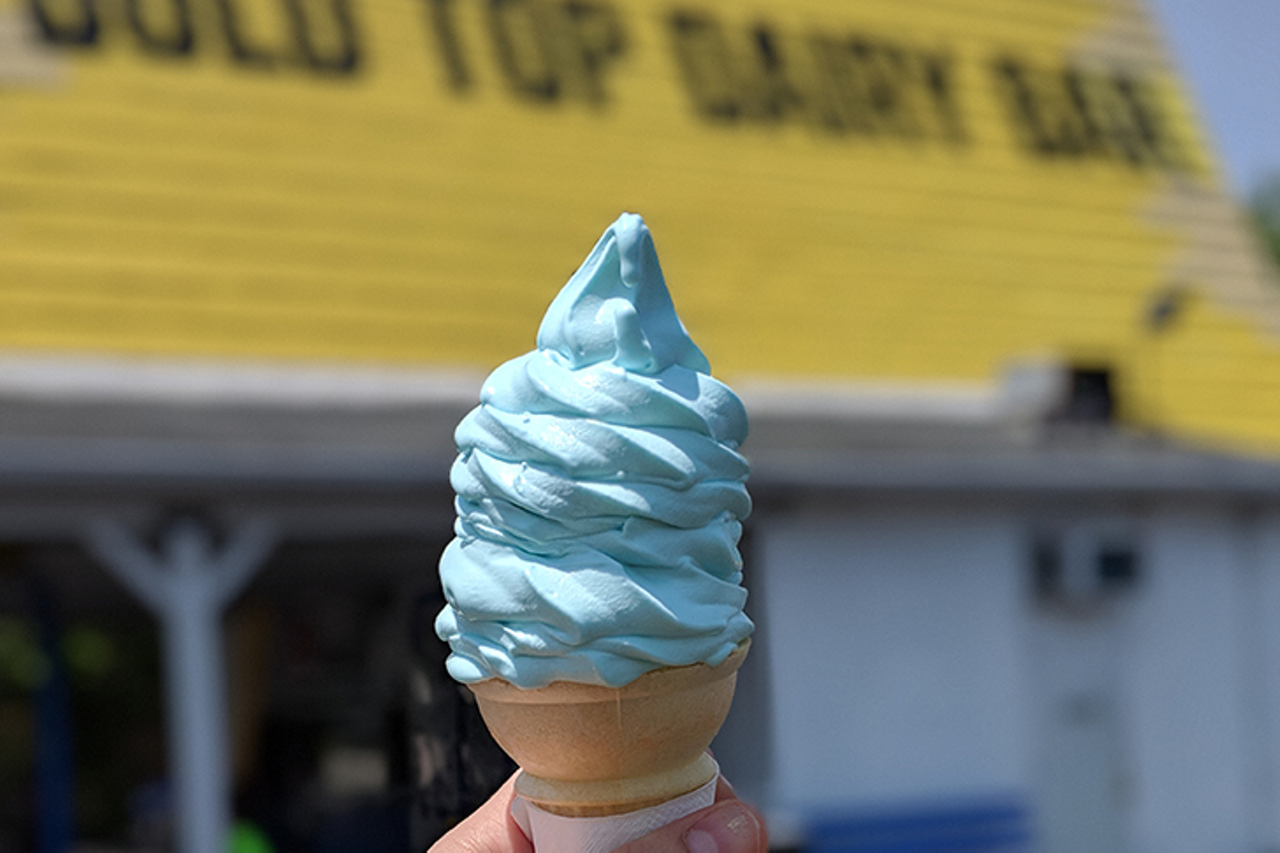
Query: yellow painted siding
pixel 885 223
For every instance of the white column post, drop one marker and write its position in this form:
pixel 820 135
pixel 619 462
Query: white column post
pixel 187 585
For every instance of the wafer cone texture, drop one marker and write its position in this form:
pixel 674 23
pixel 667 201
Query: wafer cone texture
pixel 592 750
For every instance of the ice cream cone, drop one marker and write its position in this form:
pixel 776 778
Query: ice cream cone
pixel 589 751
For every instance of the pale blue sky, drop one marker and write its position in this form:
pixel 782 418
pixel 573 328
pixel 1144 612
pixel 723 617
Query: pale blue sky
pixel 1229 54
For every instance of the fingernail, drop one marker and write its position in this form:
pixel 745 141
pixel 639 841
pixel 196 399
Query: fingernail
pixel 730 828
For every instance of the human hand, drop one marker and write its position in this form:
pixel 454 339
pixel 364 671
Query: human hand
pixel 728 826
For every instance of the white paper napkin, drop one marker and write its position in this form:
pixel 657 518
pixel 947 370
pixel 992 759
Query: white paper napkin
pixel 552 833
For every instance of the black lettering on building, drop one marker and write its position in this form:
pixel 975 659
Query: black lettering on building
pixel 324 35
pixel 1082 135
pixel 889 87
pixel 776 93
pixel 318 35
pixel 66 22
pixel 877 87
pixel 519 29
pixel 939 77
pixel 732 75
pixel 593 38
pixel 844 104
pixel 706 65
pixel 242 49
pixel 549 52
pixel 161 26
pixel 1139 125
pixel 1028 111
pixel 444 23
pixel 1074 113
pixel 836 84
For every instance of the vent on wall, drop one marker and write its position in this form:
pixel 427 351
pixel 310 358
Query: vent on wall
pixel 1083 566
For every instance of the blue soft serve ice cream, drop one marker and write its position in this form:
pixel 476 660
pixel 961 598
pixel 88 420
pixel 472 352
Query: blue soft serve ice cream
pixel 600 492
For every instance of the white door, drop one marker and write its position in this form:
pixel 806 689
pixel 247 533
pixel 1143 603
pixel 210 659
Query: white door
pixel 1075 648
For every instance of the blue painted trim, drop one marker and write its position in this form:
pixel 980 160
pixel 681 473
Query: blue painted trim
pixel 990 827
pixel 55 761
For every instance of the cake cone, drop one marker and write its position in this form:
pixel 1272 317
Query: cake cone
pixel 589 751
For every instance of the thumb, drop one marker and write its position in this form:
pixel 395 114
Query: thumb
pixel 490 829
pixel 730 826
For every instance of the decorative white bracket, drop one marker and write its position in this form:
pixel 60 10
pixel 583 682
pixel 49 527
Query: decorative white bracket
pixel 187 586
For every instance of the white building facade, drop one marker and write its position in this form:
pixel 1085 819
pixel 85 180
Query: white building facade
pixel 1063 646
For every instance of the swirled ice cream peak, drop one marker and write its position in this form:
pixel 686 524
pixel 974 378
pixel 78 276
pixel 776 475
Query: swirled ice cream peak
pixel 616 307
pixel 600 492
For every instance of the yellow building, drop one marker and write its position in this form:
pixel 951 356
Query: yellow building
pixel 1011 354
pixel 841 193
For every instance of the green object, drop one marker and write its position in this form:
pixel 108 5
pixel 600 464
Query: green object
pixel 247 838
pixel 1264 204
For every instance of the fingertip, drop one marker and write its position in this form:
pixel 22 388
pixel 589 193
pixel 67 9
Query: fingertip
pixel 728 827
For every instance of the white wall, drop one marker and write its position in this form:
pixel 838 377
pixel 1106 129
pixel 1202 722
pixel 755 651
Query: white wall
pixel 892 636
pixel 1263 671
pixel 1185 687
pixel 901 668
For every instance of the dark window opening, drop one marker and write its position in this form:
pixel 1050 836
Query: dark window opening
pixel 1117 566
pixel 1075 577
pixel 1090 397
